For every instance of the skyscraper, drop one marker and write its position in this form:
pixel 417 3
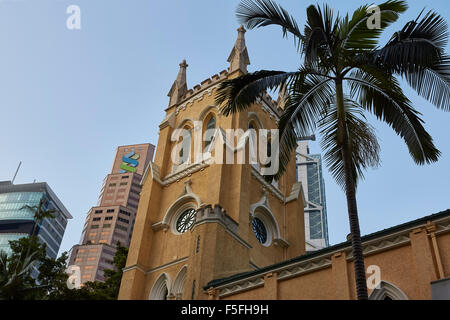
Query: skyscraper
pixel 309 173
pixel 112 220
pixel 17 222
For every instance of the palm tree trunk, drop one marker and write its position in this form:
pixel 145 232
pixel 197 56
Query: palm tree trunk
pixel 350 191
pixel 358 258
pixel 31 237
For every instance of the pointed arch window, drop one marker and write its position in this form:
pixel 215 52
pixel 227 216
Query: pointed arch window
pixel 254 127
pixel 209 132
pixel 387 291
pixel 180 283
pixel 185 151
pixel 160 290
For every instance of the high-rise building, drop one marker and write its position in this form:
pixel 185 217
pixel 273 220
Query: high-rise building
pixel 309 173
pixel 16 221
pixel 112 220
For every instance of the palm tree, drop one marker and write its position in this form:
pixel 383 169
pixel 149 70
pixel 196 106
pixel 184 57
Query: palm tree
pixel 13 275
pixel 345 73
pixel 40 212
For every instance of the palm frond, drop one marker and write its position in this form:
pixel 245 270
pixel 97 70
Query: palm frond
pixel 417 54
pixel 433 83
pixel 320 34
pixel 385 99
pixel 39 212
pixel 309 96
pixel 3 266
pixel 238 94
pixel 355 33
pixel 362 142
pixel 261 13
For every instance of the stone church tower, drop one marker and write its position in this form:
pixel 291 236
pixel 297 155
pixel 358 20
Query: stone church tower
pixel 200 220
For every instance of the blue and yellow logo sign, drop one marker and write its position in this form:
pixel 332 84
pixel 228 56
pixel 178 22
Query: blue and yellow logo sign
pixel 129 162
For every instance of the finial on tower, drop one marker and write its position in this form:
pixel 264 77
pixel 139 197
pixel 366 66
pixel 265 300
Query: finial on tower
pixel 179 87
pixel 238 58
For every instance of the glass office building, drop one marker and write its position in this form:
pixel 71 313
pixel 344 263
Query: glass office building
pixel 309 172
pixel 16 221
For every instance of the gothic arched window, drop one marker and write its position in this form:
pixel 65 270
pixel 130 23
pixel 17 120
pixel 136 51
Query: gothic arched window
pixel 252 142
pixel 185 146
pixel 209 131
pixel 160 290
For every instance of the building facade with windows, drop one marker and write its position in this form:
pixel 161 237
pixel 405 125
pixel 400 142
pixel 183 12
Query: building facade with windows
pixel 16 221
pixel 410 261
pixel 309 173
pixel 200 219
pixel 112 219
pixel 210 229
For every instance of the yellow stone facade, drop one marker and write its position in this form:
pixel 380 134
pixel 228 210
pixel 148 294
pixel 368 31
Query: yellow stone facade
pixel 219 257
pixel 221 243
pixel 410 258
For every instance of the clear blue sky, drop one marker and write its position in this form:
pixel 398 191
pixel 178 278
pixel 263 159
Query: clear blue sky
pixel 68 98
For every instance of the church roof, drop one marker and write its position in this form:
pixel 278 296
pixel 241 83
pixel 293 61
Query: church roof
pixel 342 245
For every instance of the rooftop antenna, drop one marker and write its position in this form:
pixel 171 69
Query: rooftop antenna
pixel 15 174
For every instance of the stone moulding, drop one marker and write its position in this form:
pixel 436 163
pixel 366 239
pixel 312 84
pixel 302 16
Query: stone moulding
pixel 297 189
pixel 152 168
pixel 381 243
pixel 160 226
pixel 151 270
pixel 268 106
pixel 442 226
pixel 190 169
pixel 305 267
pixel 283 274
pixel 178 205
pixel 169 264
pixel 176 176
pixel 281 242
pixel 396 240
pixel 270 187
pixel 208 214
pixel 241 286
pixel 261 209
pixel 169 120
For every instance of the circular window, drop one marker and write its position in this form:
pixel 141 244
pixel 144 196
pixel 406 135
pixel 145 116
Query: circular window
pixel 186 220
pixel 260 231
